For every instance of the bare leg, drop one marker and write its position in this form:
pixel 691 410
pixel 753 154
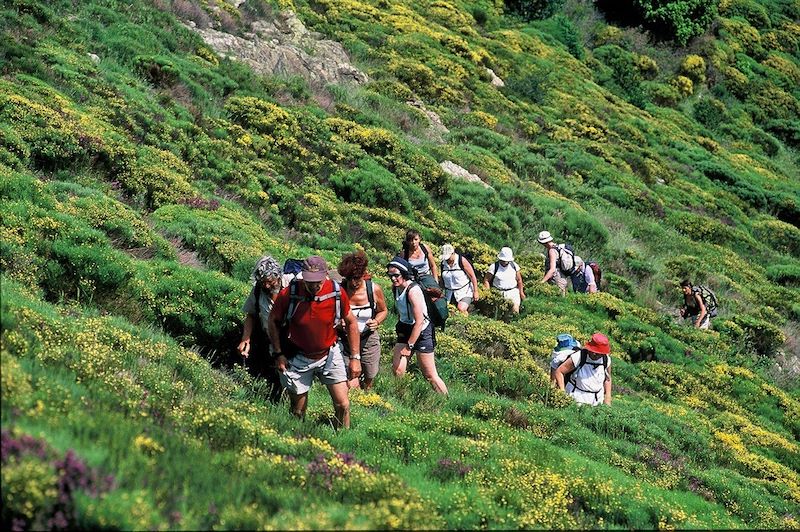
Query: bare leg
pixel 353 383
pixel 299 404
pixel 368 383
pixel 399 362
pixel 341 404
pixel 428 366
pixel 462 308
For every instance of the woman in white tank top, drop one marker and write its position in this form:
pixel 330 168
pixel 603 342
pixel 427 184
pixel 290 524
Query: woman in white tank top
pixel 459 279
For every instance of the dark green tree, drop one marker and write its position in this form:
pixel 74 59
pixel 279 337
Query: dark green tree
pixel 534 9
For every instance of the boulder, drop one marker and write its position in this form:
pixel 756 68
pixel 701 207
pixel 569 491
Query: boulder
pixel 451 168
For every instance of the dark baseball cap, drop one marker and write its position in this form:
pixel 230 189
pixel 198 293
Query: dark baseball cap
pixel 315 269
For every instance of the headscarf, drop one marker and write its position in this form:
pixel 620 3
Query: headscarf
pixel 265 267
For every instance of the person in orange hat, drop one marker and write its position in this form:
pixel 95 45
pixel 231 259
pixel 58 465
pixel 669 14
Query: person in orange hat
pixel 586 374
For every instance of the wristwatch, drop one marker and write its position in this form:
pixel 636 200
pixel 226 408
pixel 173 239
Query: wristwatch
pixel 355 357
pixel 410 346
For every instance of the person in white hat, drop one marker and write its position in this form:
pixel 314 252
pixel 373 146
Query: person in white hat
pixel 504 275
pixel 552 273
pixel 458 276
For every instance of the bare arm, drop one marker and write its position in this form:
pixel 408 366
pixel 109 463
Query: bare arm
pixel 702 308
pixel 551 253
pixel 487 279
pixel 562 370
pixel 607 387
pixel 354 341
pixel 418 307
pixel 470 271
pixel 244 345
pixel 380 308
pixel 274 328
pixel 520 285
pixel 432 263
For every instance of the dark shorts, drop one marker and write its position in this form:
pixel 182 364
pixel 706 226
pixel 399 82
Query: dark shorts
pixel 426 341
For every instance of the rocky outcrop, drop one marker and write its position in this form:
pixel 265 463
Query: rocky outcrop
pixel 285 46
pixel 436 129
pixel 455 170
pixel 495 79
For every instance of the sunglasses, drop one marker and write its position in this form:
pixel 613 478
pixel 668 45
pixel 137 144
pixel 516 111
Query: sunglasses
pixel 394 275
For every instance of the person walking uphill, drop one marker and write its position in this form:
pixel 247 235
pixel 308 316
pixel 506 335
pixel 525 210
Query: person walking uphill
pixel 255 344
pixel 418 255
pixel 458 277
pixel 308 311
pixel 586 373
pixel 699 304
pixel 504 275
pixel 553 273
pixel 368 305
pixel 414 329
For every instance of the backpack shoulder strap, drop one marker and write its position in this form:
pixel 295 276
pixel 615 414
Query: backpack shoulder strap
pixel 338 291
pixel 257 295
pixel 294 298
pixel 371 297
pixel 494 275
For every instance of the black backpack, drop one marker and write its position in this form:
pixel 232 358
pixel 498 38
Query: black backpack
pixel 709 299
pixel 584 359
pixel 424 252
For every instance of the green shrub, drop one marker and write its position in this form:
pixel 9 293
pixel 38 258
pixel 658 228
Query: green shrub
pixel 372 185
pixel 710 112
pixel 785 274
pixel 534 9
pixel 760 336
pixel 780 236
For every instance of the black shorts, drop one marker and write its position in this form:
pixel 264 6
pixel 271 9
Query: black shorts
pixel 426 341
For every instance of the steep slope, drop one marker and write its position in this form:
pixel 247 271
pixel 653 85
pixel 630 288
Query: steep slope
pixel 143 174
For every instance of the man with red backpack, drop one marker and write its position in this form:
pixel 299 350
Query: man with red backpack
pixel 304 339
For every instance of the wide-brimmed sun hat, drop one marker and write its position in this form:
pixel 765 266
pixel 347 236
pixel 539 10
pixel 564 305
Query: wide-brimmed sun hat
pixel 598 344
pixel 506 254
pixel 545 237
pixel 566 341
pixel 446 251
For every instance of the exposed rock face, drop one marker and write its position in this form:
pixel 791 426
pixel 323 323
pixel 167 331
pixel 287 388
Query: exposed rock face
pixel 436 129
pixel 454 170
pixel 496 81
pixel 286 46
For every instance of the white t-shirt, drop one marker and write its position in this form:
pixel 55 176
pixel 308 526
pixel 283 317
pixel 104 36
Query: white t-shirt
pixel 505 277
pixel 586 385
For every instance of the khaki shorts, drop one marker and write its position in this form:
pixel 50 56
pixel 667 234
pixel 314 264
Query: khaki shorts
pixel 300 371
pixel 560 281
pixel 370 354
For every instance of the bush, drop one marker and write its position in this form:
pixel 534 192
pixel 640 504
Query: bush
pixel 372 185
pixel 710 112
pixel 534 9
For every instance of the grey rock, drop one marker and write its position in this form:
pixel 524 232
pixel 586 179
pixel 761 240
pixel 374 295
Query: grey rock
pixel 285 46
pixel 496 81
pixel 455 170
pixel 436 129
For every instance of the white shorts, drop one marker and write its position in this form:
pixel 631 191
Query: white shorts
pixel 300 371
pixel 461 293
pixel 585 398
pixel 513 295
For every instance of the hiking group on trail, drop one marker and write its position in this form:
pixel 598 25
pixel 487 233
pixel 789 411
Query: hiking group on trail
pixel 304 321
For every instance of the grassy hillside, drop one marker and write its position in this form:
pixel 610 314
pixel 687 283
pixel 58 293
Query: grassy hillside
pixel 142 174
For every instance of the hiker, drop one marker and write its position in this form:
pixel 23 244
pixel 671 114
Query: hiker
pixel 586 373
pixel 552 271
pixel 694 308
pixel 504 275
pixel 418 254
pixel 368 305
pixel 458 277
pixel 583 280
pixel 565 346
pixel 414 328
pixel 308 311
pixel 266 279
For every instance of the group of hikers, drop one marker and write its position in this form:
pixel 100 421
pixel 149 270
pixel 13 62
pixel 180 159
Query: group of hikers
pixel 309 320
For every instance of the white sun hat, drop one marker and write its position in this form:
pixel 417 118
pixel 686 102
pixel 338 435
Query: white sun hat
pixel 506 254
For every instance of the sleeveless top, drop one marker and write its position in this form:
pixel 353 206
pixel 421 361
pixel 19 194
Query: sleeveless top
pixel 404 310
pixel 454 277
pixel 421 265
pixel 363 314
pixel 505 278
